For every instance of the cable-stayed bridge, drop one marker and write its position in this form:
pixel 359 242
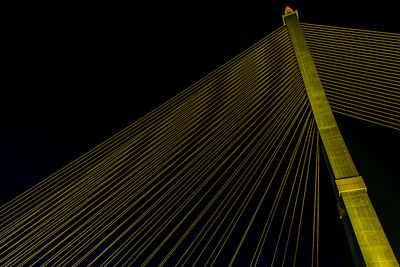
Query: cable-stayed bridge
pixel 225 172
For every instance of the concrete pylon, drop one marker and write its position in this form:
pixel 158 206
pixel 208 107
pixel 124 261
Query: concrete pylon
pixel 371 239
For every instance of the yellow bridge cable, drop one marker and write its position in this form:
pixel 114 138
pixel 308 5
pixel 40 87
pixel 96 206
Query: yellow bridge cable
pixel 152 115
pixel 118 176
pixel 359 70
pixel 387 36
pixel 196 179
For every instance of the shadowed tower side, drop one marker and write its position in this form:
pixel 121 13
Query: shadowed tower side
pixel 374 246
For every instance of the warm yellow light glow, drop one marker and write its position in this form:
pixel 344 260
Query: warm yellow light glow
pixel 350 184
pixel 288 10
pixel 371 238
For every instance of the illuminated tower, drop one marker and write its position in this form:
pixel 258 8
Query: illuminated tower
pixel 352 192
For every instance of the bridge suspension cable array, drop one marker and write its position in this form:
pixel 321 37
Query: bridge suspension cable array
pixel 359 70
pixel 225 172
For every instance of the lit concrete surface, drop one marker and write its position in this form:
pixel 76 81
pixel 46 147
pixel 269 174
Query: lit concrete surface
pixel 371 238
pixel 350 184
pixel 337 152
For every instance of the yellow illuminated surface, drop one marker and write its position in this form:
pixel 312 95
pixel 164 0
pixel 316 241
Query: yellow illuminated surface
pixel 350 184
pixel 371 238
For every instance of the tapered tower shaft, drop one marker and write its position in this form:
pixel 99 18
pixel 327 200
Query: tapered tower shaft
pixel 374 246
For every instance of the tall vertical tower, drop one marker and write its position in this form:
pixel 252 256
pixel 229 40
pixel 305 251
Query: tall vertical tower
pixel 371 239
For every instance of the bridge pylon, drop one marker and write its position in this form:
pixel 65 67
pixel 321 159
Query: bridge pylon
pixel 351 189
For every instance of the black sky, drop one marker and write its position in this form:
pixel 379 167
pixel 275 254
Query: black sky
pixel 76 75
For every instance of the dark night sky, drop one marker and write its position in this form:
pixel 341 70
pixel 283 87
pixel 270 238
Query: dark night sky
pixel 76 75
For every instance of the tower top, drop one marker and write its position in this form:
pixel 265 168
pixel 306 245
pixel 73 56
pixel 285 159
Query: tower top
pixel 288 10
